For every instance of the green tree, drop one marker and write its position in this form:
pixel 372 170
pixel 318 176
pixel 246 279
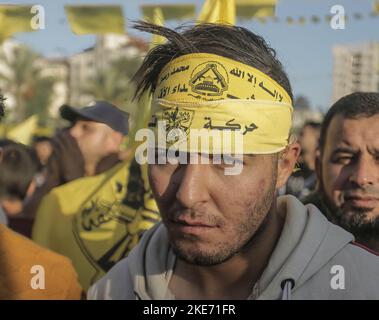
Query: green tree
pixel 22 78
pixel 40 101
pixel 113 83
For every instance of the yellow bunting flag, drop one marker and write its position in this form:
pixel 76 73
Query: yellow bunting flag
pixel 158 14
pixel 261 20
pixel 96 221
pixel 141 119
pixel 289 20
pixel 15 18
pixel 44 131
pixel 302 20
pixel 24 131
pixel 158 19
pixel 218 11
pixel 95 19
pixel 315 19
pixel 375 7
pixel 169 11
pixel 247 9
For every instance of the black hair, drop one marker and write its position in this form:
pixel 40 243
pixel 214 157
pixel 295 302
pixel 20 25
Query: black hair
pixel 18 166
pixel 352 106
pixel 229 41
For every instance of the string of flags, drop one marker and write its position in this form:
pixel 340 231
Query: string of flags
pixel 101 19
pixel 302 20
pixel 87 19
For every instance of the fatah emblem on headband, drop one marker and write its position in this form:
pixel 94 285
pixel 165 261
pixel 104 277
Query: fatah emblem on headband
pixel 177 119
pixel 209 79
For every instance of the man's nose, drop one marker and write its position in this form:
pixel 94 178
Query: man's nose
pixel 365 172
pixel 193 189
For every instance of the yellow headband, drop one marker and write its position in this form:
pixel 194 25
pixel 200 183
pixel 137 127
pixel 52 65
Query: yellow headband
pixel 210 92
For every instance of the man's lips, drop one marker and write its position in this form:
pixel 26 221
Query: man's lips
pixel 186 224
pixel 186 220
pixel 360 200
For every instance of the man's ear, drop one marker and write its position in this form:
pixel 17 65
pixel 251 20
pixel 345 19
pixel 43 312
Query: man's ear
pixel 286 163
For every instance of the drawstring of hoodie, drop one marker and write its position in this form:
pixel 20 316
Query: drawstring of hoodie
pixel 287 286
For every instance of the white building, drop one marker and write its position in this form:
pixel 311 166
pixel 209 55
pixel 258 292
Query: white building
pixel 50 67
pixel 302 116
pixel 72 74
pixel 84 66
pixel 356 68
pixel 82 69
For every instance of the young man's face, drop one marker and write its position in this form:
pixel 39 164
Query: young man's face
pixel 349 172
pixel 209 215
pixel 95 140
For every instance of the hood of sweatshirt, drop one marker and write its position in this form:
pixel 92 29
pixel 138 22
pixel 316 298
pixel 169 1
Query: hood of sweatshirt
pixel 307 242
pixel 3 217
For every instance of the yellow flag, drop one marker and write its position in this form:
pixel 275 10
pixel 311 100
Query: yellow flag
pixel 95 19
pixel 315 19
pixel 247 9
pixel 24 131
pixel 157 18
pixel 141 119
pixel 96 221
pixel 289 20
pixel 13 19
pixel 158 14
pixel 210 11
pixel 44 131
pixel 218 11
pixel 170 11
pixel 302 20
pixel 228 12
pixel 375 7
pixel 261 20
pixel 328 18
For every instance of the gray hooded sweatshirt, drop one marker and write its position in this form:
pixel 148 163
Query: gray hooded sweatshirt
pixel 313 259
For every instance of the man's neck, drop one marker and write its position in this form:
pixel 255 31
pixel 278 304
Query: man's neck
pixel 234 278
pixel 90 169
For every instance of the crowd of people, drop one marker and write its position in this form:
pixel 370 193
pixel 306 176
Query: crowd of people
pixel 300 206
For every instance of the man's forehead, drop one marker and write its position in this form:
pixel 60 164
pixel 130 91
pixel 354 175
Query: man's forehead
pixel 353 132
pixel 91 123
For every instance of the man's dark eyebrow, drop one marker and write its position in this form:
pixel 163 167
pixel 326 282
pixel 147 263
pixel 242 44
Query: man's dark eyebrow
pixel 374 152
pixel 344 150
